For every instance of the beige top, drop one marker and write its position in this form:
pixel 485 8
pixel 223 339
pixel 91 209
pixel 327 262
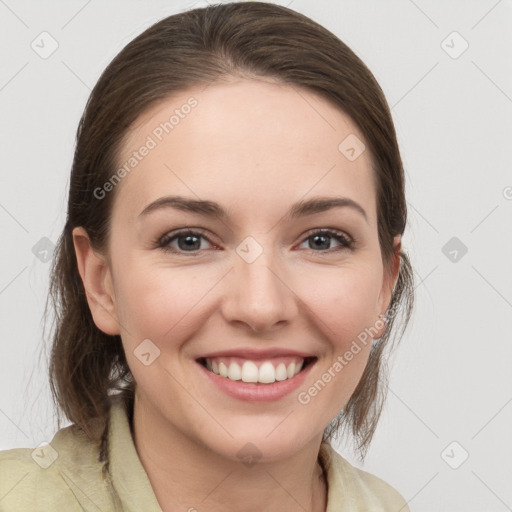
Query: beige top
pixel 66 476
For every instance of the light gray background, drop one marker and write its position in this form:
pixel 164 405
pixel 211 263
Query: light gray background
pixel 451 376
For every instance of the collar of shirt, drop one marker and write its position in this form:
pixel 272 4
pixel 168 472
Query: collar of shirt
pixel 128 476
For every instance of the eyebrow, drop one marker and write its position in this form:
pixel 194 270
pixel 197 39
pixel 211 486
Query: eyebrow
pixel 214 210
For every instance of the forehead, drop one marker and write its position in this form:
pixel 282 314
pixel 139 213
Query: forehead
pixel 244 141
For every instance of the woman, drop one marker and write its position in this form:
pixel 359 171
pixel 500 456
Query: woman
pixel 227 278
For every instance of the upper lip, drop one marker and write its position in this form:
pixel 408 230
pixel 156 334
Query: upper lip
pixel 251 353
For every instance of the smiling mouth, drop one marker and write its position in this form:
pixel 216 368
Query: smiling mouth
pixel 265 371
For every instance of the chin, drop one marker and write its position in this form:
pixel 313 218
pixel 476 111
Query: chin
pixel 263 443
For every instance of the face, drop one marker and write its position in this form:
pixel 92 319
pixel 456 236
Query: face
pixel 248 284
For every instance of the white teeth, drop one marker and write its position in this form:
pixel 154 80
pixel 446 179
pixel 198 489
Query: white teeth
pixel 234 372
pixel 249 372
pixel 281 372
pixel 223 370
pixel 267 373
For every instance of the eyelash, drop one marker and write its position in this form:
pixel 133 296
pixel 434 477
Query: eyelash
pixel 345 241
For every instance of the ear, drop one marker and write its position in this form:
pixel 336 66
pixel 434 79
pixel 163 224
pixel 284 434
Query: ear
pixel 388 284
pixel 97 279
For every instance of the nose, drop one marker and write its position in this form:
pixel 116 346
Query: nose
pixel 259 294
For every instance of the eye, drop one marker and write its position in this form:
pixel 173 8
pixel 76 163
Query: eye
pixel 184 241
pixel 321 239
pixel 189 241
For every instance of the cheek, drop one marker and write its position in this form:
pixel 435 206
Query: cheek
pixel 159 303
pixel 344 305
pixel 345 302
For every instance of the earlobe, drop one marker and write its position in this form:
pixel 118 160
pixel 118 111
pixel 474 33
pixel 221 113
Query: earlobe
pixel 97 280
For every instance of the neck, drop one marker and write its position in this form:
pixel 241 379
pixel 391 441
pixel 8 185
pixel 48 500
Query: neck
pixel 186 475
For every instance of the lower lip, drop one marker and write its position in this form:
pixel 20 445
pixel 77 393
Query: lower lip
pixel 257 392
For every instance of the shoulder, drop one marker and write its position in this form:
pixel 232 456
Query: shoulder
pixel 60 475
pixel 365 490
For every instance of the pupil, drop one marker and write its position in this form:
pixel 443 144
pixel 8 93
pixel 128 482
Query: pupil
pixel 320 237
pixel 190 243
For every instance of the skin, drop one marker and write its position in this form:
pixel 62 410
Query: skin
pixel 256 147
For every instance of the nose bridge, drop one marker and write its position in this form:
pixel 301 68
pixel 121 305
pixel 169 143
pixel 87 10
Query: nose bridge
pixel 257 294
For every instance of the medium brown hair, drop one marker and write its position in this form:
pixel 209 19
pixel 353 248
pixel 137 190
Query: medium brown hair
pixel 203 46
